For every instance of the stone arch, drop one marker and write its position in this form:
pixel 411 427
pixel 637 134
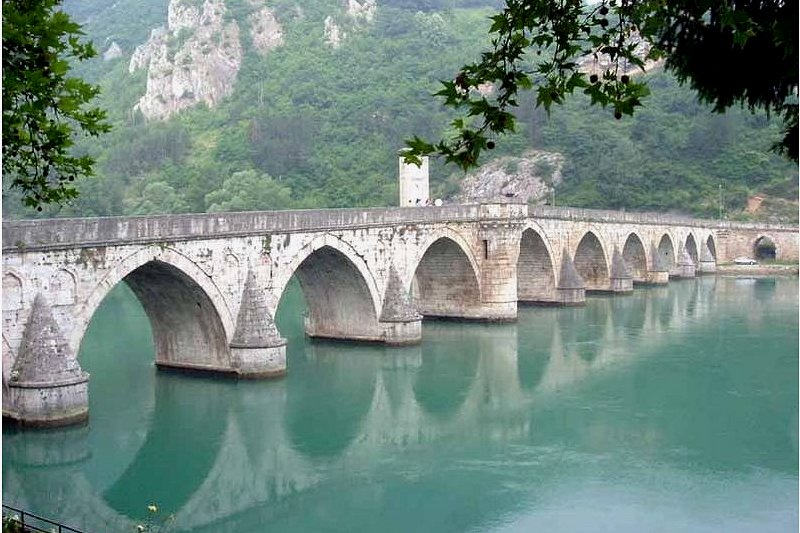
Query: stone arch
pixel 63 287
pixel 347 252
pixel 690 245
pixel 446 280
pixel 765 247
pixel 666 249
pixel 340 292
pixel 232 264
pixel 635 256
pixel 458 239
pixel 536 274
pixel 712 247
pixel 189 316
pixel 590 262
pixel 12 292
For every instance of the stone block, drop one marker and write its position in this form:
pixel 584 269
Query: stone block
pixel 706 267
pixel 658 277
pixel 622 285
pixel 569 297
pixel 259 362
pixel 49 404
pixel 402 333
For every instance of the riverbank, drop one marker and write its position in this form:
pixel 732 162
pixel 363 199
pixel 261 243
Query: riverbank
pixel 758 270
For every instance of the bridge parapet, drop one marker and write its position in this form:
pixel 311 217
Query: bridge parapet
pixel 579 214
pixel 48 234
pixel 22 235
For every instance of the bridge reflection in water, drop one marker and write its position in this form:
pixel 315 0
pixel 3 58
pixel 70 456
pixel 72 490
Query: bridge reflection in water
pixel 239 456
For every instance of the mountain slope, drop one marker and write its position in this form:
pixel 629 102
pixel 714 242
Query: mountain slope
pixel 312 124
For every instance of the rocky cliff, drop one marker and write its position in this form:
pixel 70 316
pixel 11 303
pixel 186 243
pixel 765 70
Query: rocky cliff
pixel 355 15
pixel 197 56
pixel 529 178
pixel 599 62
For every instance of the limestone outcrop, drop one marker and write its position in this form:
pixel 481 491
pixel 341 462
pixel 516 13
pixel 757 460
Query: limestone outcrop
pixel 355 14
pixel 600 62
pixel 529 178
pixel 197 57
pixel 333 33
pixel 266 32
pixel 113 52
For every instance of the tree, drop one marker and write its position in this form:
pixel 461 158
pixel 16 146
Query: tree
pixel 156 198
pixel 248 190
pixel 729 51
pixel 44 108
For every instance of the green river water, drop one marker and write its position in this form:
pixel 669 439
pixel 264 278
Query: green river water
pixel 674 409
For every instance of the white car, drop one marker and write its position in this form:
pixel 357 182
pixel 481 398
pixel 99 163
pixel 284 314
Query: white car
pixel 745 261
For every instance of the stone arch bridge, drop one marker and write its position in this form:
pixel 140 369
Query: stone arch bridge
pixel 211 283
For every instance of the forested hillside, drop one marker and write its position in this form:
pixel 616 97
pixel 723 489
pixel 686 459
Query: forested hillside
pixel 316 122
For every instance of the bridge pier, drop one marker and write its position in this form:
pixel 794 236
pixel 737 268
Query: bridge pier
pixel 571 289
pixel 707 264
pixel 402 332
pixel 621 278
pixel 500 245
pixel 659 272
pixel 257 349
pixel 402 324
pixel 47 386
pixel 686 267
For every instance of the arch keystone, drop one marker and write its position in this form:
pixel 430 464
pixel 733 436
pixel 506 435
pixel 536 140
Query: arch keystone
pixel 47 385
pixel 257 348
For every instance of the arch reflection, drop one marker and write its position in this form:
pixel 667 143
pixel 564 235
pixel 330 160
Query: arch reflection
pixel 445 378
pixel 629 315
pixel 262 474
pixel 536 338
pixel 586 328
pixel 182 444
pixel 319 428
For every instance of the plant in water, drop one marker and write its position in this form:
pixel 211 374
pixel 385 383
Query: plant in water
pixel 154 522
pixel 12 524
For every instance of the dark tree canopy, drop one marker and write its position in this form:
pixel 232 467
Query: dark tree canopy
pixel 729 51
pixel 44 108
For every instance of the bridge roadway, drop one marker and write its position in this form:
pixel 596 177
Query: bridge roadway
pixel 211 283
